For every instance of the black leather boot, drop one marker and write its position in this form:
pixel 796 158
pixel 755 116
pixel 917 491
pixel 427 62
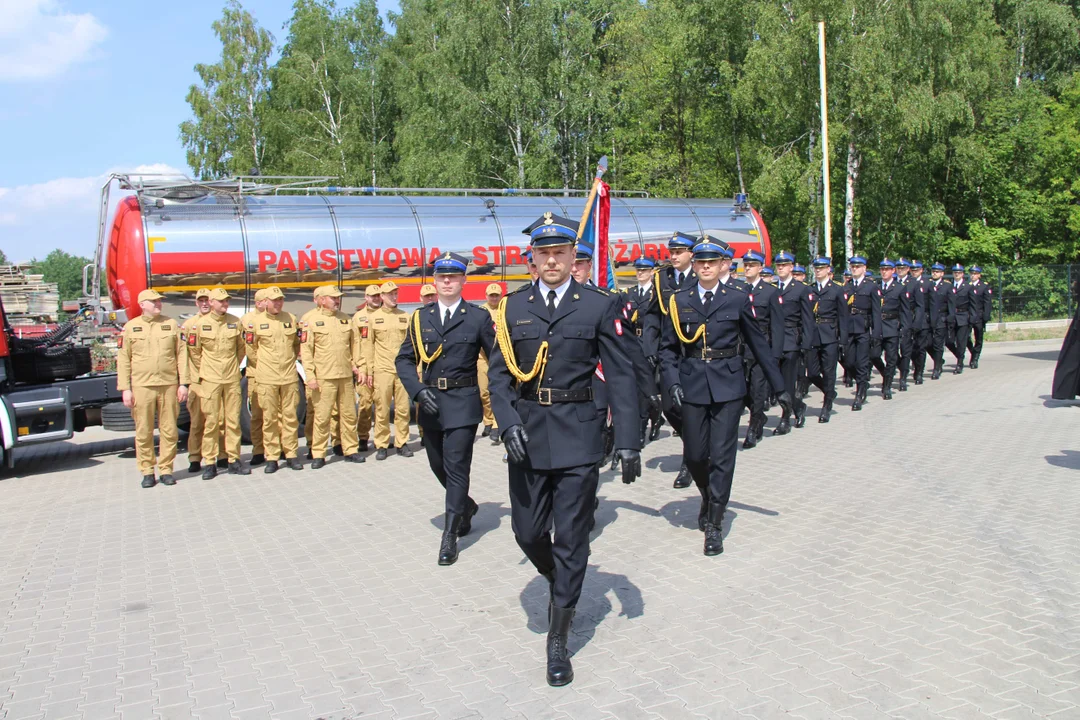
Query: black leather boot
pixel 800 415
pixel 168 479
pixel 785 424
pixel 903 384
pixel 238 468
pixel 448 552
pixel 682 480
pixel 210 472
pixel 856 405
pixel 714 534
pixel 703 511
pixel 294 463
pixel 271 467
pixel 751 436
pixel 886 388
pixel 550 577
pixel 194 467
pixel 937 371
pixel 559 670
pixel 826 410
pixel 466 522
pixel 974 365
pixel 959 369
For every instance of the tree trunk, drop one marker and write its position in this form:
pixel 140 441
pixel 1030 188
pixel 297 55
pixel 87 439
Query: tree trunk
pixel 853 162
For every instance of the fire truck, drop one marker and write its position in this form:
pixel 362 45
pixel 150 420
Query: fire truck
pixel 176 235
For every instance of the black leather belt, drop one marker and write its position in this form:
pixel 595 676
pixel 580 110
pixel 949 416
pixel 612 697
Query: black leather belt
pixel 825 321
pixel 448 383
pixel 890 316
pixel 707 354
pixel 859 311
pixel 550 396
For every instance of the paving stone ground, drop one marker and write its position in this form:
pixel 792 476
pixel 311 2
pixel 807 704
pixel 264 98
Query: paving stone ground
pixel 917 559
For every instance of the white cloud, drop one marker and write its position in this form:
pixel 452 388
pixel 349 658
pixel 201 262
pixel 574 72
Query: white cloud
pixel 39 39
pixel 60 213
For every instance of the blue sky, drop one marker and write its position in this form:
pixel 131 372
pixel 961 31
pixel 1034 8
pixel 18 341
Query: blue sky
pixel 93 86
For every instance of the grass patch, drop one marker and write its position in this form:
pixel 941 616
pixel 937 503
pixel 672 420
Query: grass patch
pixel 1021 334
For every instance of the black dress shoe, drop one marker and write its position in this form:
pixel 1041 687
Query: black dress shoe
pixel 209 472
pixel 168 480
pixel 448 549
pixel 339 451
pixel 271 467
pixel 714 534
pixel 318 463
pixel 466 521
pixel 194 467
pixel 826 411
pixel 903 385
pixel 404 451
pixel 682 480
pixel 559 670
pixel 974 365
pixel 257 459
pixel 919 380
pixel 355 458
pixel 784 427
pixel 148 481
pixel 239 468
pixel 886 393
pixel 363 446
pixel 936 374
pixel 486 431
pixel 800 417
pixel 856 404
pixel 751 437
pixel 380 454
pixel 959 369
pixel 222 464
pixel 294 464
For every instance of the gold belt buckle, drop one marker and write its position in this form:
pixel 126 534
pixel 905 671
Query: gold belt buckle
pixel 441 383
pixel 541 397
pixel 637 331
pixel 705 355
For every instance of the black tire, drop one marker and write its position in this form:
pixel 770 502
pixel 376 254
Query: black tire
pixel 301 407
pixel 245 412
pixel 183 420
pixel 117 418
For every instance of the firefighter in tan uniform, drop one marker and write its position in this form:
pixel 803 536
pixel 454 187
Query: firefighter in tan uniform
pixel 213 350
pixel 258 456
pixel 372 302
pixel 428 294
pixel 194 405
pixel 273 339
pixel 310 395
pixel 152 380
pixel 388 328
pixel 330 353
pixel 494 294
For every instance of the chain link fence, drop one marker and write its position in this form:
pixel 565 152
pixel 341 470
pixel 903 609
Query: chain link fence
pixel 1037 292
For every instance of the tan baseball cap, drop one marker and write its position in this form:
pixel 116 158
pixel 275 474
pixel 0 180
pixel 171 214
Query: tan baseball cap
pixel 328 291
pixel 260 295
pixel 219 293
pixel 494 289
pixel 202 293
pixel 273 293
pixel 388 286
pixel 373 290
pixel 149 295
pixel 428 289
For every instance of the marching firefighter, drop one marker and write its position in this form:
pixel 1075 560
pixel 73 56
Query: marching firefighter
pixel 960 314
pixel 491 305
pixel 796 303
pixel 862 298
pixel 829 334
pixel 982 310
pixel 767 312
pixel 152 378
pixel 446 338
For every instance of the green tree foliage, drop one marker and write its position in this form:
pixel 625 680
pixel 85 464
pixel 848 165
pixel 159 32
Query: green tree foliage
pixel 63 269
pixel 954 124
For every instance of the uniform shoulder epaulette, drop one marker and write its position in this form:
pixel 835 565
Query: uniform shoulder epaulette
pixel 838 284
pixel 596 289
pixel 519 288
pixel 739 284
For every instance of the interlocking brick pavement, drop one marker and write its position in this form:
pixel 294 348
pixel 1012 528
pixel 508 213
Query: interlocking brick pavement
pixel 917 559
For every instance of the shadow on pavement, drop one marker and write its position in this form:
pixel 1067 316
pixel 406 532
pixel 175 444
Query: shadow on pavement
pixel 1050 355
pixel 488 517
pixel 1050 402
pixel 593 606
pixel 664 463
pixel 1069 459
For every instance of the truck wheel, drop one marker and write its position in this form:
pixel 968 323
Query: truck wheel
pixel 117 418
pixel 301 408
pixel 183 420
pixel 245 412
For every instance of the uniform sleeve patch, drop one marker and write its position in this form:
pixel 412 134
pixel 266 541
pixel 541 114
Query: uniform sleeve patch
pixel 319 323
pixel 136 328
pixel 303 336
pixel 207 327
pixel 120 341
pixel 192 340
pixel 618 326
pixel 249 337
pixel 287 325
pixel 232 326
pixel 266 326
pixel 343 322
pixel 363 332
pixel 166 327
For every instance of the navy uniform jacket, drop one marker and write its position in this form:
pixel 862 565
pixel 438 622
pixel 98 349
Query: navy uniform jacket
pixel 637 308
pixel 730 322
pixel 469 331
pixel 895 309
pixel 582 333
pixel 863 307
pixel 938 303
pixel 663 288
pixel 982 303
pixel 765 300
pixel 829 314
pixel 798 311
pixel 960 305
pixel 917 291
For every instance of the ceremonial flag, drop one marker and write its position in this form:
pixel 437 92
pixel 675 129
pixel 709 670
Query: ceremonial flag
pixel 593 229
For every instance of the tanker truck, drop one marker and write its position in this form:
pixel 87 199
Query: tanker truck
pixel 176 235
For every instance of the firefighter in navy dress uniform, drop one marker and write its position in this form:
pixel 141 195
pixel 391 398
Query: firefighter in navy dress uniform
pixel 938 308
pixel 666 281
pixel 770 318
pixel 895 317
pixel 828 335
pixel 960 314
pixel 920 291
pixel 796 307
pixel 638 300
pixel 446 338
pixel 862 298
pixel 702 367
pixel 550 338
pixel 982 309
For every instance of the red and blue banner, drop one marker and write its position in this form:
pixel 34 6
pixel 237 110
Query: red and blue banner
pixel 595 236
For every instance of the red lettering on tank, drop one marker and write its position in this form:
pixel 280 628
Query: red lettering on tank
pixel 286 262
pixel 513 255
pixel 329 259
pixel 433 254
pixel 663 253
pixel 479 254
pixel 392 258
pixel 620 252
pixel 635 253
pixel 496 253
pixel 368 258
pixel 346 259
pixel 308 259
pixel 266 259
pixel 651 251
pixel 414 257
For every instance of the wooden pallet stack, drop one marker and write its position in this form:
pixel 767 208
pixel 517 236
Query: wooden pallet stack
pixel 28 300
